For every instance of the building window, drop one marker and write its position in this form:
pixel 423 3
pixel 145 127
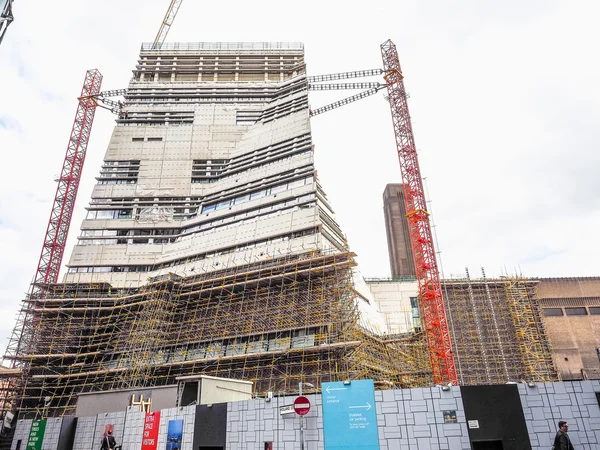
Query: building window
pixel 594 310
pixel 551 312
pixel 137 139
pixel 119 172
pixel 154 139
pixel 576 311
pixel 414 304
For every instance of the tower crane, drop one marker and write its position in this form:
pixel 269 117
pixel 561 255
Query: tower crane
pixel 68 183
pixel 428 276
pixel 53 248
pixel 165 26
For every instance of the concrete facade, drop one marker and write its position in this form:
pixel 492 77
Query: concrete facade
pixel 407 419
pixel 210 166
pixel 106 402
pixel 397 301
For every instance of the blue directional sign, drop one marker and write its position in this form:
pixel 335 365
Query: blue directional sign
pixel 349 415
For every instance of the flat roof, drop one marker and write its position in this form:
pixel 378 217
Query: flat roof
pixel 235 46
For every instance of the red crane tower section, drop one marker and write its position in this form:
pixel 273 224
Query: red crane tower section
pixel 68 184
pixel 428 277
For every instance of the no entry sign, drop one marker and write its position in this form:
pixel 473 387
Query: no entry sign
pixel 301 406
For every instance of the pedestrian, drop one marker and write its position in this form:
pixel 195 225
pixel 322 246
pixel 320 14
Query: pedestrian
pixel 108 443
pixel 562 440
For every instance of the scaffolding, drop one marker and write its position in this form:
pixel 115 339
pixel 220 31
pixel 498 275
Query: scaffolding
pixel 497 332
pixel 275 323
pixel 533 343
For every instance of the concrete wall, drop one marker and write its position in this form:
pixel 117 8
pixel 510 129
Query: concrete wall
pixel 52 433
pixel 575 401
pixel 222 390
pixel 84 434
pixel 187 414
pixel 21 433
pixel 106 402
pixel 407 419
pixel 393 300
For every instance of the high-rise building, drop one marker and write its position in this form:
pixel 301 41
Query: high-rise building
pixel 402 263
pixel 209 246
pixel 210 166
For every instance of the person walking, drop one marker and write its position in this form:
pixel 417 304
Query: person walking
pixel 108 442
pixel 562 440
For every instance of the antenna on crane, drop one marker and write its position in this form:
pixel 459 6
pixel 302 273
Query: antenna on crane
pixel 166 24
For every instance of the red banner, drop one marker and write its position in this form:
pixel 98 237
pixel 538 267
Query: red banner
pixel 151 423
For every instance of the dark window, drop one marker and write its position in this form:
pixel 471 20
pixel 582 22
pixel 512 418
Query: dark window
pixel 154 139
pixel 414 302
pixel 594 310
pixel 576 311
pixel 552 311
pixel 598 398
pixel 137 139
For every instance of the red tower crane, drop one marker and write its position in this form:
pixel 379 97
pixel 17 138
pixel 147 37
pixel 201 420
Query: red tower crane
pixel 68 184
pixel 23 335
pixel 428 277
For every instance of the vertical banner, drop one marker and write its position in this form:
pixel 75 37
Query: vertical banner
pixel 36 435
pixel 151 423
pixel 174 434
pixel 349 415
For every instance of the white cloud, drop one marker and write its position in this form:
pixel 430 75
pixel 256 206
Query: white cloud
pixel 504 102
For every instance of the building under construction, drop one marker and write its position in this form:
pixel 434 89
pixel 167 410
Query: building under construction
pixel 497 327
pixel 210 247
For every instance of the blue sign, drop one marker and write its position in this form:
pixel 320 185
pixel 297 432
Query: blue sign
pixel 349 415
pixel 174 434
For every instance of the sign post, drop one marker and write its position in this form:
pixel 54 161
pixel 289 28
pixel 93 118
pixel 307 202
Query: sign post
pixel 349 415
pixel 302 407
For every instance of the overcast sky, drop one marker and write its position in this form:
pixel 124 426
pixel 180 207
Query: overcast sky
pixel 504 98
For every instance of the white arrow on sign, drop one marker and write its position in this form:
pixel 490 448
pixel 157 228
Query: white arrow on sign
pixel 328 389
pixel 368 406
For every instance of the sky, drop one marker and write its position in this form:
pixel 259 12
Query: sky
pixel 504 100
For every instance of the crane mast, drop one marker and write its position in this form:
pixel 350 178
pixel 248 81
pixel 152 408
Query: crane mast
pixel 428 277
pixel 165 26
pixel 68 184
pixel 23 336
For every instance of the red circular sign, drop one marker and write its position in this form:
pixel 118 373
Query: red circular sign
pixel 301 406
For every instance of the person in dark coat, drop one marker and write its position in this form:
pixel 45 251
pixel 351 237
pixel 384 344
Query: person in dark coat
pixel 108 442
pixel 562 440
